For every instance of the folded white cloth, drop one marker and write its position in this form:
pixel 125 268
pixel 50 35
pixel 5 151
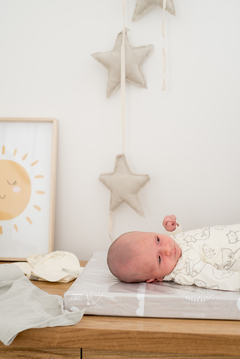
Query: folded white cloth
pixel 24 306
pixel 57 266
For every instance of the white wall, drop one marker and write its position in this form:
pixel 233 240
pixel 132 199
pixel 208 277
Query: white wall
pixel 187 138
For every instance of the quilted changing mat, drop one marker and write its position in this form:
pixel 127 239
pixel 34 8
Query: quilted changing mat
pixel 97 290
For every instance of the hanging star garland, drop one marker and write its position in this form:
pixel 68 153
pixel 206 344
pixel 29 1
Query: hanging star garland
pixel 124 185
pixel 143 6
pixel 134 56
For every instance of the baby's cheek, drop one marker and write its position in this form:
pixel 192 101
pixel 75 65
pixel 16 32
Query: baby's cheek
pixel 16 189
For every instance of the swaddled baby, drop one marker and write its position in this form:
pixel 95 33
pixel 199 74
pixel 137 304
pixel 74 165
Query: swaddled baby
pixel 208 257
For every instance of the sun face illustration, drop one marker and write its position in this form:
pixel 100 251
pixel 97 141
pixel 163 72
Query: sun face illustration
pixel 15 189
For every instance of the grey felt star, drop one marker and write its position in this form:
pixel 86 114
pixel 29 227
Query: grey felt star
pixel 134 57
pixel 143 6
pixel 124 185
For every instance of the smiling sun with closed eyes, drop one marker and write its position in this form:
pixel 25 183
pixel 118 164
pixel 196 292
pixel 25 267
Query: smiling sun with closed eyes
pixel 15 189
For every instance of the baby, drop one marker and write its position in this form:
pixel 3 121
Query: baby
pixel 201 257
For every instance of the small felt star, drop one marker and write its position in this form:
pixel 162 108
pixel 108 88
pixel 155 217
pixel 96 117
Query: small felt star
pixel 134 57
pixel 143 6
pixel 124 185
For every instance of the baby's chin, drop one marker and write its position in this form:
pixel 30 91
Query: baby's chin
pixel 178 255
pixel 180 252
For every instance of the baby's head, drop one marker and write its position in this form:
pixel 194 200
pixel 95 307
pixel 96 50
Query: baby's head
pixel 143 256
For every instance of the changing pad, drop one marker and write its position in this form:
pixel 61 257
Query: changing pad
pixel 97 290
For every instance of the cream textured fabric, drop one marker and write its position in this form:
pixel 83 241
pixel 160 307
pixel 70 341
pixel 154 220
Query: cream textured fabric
pixel 54 267
pixel 134 57
pixel 143 6
pixel 24 306
pixel 124 185
pixel 210 258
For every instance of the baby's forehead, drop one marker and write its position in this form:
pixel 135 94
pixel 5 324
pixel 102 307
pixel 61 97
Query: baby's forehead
pixel 140 237
pixel 135 235
pixel 145 234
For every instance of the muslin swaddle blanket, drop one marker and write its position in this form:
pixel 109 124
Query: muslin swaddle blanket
pixel 24 306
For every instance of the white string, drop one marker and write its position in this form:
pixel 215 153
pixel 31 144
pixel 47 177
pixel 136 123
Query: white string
pixel 163 49
pixel 123 74
pixel 110 226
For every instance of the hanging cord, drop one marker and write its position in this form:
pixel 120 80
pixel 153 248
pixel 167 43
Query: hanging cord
pixel 123 74
pixel 110 226
pixel 163 49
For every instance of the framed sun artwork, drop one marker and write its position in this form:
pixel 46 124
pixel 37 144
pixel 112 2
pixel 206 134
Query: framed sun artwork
pixel 28 153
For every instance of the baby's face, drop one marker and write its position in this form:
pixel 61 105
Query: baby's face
pixel 156 255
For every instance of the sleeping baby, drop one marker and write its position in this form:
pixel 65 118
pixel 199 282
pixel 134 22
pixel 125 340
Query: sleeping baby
pixel 208 257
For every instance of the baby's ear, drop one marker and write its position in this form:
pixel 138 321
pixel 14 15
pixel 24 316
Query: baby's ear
pixel 150 280
pixel 154 280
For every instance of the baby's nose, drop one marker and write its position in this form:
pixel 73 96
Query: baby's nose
pixel 168 250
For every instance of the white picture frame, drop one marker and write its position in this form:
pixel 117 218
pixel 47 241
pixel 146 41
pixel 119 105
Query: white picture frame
pixel 28 154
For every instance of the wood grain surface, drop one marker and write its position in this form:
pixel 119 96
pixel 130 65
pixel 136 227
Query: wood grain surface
pixel 171 336
pixel 109 354
pixel 40 354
